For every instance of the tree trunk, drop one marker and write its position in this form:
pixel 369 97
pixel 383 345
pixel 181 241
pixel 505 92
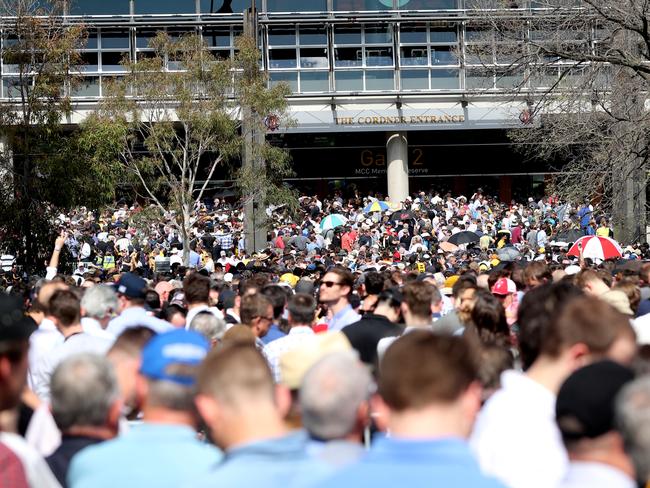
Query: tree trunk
pixel 629 174
pixel 186 228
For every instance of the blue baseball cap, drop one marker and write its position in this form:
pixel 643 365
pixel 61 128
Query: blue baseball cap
pixel 179 346
pixel 132 286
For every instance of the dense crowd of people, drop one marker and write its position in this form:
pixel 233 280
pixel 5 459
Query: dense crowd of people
pixel 442 341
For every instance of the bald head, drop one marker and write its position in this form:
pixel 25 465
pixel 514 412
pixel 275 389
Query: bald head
pixel 163 288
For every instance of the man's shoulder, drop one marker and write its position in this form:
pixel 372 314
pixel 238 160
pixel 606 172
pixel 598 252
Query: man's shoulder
pixel 245 473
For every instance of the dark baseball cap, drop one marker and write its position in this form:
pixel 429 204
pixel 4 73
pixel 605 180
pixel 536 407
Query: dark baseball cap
pixel 585 402
pixel 132 286
pixel 14 324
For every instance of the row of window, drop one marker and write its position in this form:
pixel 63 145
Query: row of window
pixel 149 7
pixel 409 80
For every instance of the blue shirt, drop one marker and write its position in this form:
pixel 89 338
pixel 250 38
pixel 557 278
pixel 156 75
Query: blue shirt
pixel 274 463
pixel 195 259
pixel 414 463
pixel 150 454
pixel 133 317
pixel 273 334
pixel 345 317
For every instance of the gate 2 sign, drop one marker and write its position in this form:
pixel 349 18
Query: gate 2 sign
pixel 373 163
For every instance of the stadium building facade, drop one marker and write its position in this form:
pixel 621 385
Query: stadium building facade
pixel 385 93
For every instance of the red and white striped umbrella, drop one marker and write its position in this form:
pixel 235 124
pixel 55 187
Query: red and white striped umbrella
pixel 596 247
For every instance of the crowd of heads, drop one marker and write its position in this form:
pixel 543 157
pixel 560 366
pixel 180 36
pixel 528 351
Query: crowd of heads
pixel 298 356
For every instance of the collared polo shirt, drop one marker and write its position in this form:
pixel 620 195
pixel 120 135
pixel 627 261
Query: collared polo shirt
pixel 445 462
pixel 150 454
pixel 280 462
pixel 345 317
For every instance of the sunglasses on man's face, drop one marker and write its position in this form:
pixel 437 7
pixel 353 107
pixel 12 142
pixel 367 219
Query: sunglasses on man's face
pixel 329 284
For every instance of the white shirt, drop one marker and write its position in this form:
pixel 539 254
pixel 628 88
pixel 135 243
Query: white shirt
pixel 93 327
pixel 123 244
pixel 596 475
pixel 74 344
pixel 297 337
pixel 41 343
pixel 641 326
pixel 515 437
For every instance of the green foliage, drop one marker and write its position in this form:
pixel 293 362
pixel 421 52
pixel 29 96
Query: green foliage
pixel 176 117
pixel 44 167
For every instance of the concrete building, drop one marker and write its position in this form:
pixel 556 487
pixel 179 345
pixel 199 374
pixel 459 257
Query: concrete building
pixel 385 94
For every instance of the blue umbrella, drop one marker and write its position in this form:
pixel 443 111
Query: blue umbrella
pixel 376 206
pixel 332 221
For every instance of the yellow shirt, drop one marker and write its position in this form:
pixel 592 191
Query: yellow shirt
pixel 603 231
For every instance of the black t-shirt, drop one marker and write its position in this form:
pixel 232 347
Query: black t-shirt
pixel 365 334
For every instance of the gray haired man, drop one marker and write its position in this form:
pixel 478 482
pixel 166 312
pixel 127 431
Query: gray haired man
pixel 334 404
pixel 85 402
pixel 209 326
pixel 98 306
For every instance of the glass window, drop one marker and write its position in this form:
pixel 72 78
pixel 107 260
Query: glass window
pixel 380 56
pixel 544 78
pixel 312 36
pixel 508 80
pixel 11 87
pixel 347 35
pixel 284 36
pixel 99 7
pixel 227 6
pixel 349 81
pixel 313 58
pixel 442 79
pixel 360 5
pixel 413 34
pixel 443 36
pixel 111 61
pixel 479 80
pixel 144 37
pixel 415 79
pixel 443 55
pixel 165 7
pixel 427 4
pixel 348 56
pixel 282 58
pixel 90 62
pixel 290 78
pixel 414 56
pixel 217 37
pixel 91 40
pixel 378 35
pixel 380 80
pixel 88 87
pixel 115 39
pixel 314 81
pixel 296 5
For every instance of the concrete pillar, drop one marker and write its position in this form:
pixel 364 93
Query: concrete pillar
pixel 397 152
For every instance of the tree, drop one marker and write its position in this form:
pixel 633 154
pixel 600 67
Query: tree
pixel 43 166
pixel 583 68
pixel 177 117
